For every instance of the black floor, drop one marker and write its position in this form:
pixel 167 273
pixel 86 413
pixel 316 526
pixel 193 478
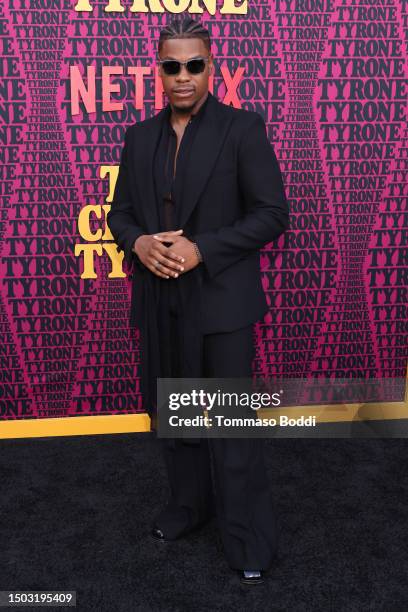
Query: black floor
pixel 75 515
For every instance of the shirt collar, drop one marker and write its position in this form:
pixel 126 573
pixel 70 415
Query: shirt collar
pixel 199 113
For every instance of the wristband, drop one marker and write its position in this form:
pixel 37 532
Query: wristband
pixel 200 259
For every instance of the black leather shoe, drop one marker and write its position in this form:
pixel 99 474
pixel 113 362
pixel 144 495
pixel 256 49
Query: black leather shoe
pixel 158 534
pixel 251 576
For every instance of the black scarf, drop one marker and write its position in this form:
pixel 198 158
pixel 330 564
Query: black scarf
pixel 157 336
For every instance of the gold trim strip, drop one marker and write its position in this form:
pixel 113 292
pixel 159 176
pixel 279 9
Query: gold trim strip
pixel 333 413
pixel 131 423
pixel 74 426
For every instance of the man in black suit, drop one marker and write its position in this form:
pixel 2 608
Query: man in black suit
pixel 199 193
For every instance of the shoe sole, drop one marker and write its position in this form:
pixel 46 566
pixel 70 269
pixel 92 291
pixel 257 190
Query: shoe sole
pixel 252 582
pixel 159 539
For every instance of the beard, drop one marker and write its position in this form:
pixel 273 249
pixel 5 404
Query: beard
pixel 183 110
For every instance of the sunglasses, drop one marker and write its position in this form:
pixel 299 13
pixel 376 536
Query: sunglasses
pixel 173 67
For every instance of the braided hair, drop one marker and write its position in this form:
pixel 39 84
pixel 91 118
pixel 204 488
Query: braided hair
pixel 184 28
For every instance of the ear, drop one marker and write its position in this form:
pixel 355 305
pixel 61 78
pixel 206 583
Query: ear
pixel 211 66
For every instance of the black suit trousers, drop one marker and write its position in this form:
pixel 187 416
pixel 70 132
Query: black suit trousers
pixel 225 477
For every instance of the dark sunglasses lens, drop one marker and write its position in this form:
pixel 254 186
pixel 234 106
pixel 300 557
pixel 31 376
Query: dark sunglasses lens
pixel 171 67
pixel 195 66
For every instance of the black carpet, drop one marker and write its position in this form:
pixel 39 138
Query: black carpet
pixel 75 515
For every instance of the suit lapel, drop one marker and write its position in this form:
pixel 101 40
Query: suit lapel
pixel 207 144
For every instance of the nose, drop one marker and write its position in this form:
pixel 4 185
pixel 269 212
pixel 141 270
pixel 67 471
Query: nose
pixel 183 74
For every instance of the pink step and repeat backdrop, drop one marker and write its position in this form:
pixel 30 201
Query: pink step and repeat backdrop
pixel 330 79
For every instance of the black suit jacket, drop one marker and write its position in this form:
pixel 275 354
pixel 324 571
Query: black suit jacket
pixel 233 204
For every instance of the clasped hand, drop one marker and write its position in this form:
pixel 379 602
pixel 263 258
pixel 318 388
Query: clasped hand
pixel 166 261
